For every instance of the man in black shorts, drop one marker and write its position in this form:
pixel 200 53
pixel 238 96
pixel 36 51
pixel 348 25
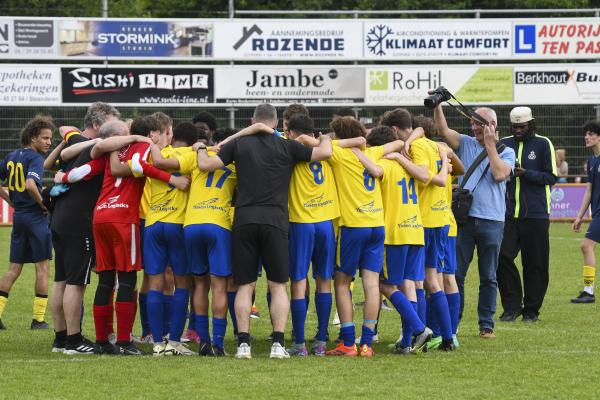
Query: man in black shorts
pixel 264 164
pixel 72 237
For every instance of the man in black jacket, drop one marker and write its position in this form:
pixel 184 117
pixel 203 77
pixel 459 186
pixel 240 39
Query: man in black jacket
pixel 527 220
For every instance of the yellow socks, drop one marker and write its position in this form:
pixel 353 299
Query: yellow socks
pixel 3 300
pixel 589 274
pixel 39 306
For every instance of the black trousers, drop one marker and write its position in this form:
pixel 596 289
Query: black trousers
pixel 530 237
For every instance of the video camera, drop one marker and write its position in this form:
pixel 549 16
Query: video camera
pixel 441 94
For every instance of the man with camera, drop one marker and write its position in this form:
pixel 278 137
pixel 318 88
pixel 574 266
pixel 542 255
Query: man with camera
pixel 527 220
pixel 487 183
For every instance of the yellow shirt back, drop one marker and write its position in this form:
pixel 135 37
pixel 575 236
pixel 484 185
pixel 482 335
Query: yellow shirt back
pixel 167 204
pixel 359 193
pixel 451 220
pixel 145 201
pixel 210 193
pixel 399 191
pixel 433 199
pixel 313 195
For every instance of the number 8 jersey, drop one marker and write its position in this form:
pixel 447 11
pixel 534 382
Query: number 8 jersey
pixel 313 195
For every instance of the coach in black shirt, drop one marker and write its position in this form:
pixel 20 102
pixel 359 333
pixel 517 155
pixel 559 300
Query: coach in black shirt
pixel 264 164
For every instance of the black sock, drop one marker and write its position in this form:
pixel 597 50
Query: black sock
pixel 74 339
pixel 60 335
pixel 4 294
pixel 243 337
pixel 278 338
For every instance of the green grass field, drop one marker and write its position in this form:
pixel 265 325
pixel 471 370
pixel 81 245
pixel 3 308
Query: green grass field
pixel 555 358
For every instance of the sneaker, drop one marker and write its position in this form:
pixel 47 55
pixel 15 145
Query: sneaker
pixel 447 345
pixel 244 351
pixel 375 339
pixel 487 333
pixel 158 349
pixel 510 316
pixel 336 319
pixel 433 344
pixel 584 298
pixel 2 326
pixel 58 345
pixel 342 350
pixel 399 349
pixel 385 306
pixel 366 351
pixel 279 352
pixel 205 350
pixel 148 339
pixel 108 349
pixel 392 346
pixel 298 350
pixel 191 336
pixel 39 324
pixel 83 347
pixel 421 340
pixel 112 338
pixel 218 352
pixel 254 313
pixel 455 340
pixel 318 348
pixel 128 349
pixel 178 349
pixel 530 317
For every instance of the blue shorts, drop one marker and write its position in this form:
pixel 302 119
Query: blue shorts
pixel 450 256
pixel 435 241
pixel 311 242
pixel 360 248
pixel 403 262
pixel 30 240
pixel 164 246
pixel 208 248
pixel 593 232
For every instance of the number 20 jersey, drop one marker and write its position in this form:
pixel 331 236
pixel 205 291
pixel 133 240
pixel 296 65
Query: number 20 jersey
pixel 313 194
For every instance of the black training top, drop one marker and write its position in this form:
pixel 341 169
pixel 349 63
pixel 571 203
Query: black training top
pixel 264 165
pixel 74 209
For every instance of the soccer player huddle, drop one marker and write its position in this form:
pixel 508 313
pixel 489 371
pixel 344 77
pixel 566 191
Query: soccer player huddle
pixel 203 210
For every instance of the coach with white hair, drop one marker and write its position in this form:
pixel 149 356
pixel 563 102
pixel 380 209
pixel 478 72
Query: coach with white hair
pixel 485 222
pixel 527 220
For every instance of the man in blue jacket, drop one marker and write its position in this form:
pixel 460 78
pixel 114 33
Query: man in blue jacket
pixel 527 220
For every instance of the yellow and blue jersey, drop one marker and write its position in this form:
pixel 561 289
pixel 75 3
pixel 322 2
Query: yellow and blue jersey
pixel 167 204
pixel 403 223
pixel 359 193
pixel 313 194
pixel 433 199
pixel 453 228
pixel 210 194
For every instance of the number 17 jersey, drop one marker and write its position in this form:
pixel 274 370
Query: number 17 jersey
pixel 313 195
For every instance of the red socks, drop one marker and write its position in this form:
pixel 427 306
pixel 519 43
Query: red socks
pixel 125 320
pixel 102 321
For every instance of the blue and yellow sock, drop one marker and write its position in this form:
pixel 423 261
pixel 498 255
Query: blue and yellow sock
pixel 442 314
pixel 155 308
pixel 202 328
pixel 143 301
pixel 298 308
pixel 348 333
pixel 231 307
pixel 323 302
pixel 219 327
pixel 179 313
pixel 167 307
pixel 454 308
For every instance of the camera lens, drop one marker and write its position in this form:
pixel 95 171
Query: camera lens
pixel 434 100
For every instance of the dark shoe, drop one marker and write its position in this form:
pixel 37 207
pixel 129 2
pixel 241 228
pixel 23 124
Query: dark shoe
pixel 217 352
pixel 487 333
pixel 447 345
pixel 59 345
pixel 530 317
pixel 39 324
pixel 205 350
pixel 510 316
pixel 2 326
pixel 584 298
pixel 83 347
pixel 106 348
pixel 128 349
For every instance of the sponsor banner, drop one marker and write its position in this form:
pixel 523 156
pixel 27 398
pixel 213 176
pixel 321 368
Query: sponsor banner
pixel 557 83
pixel 414 40
pixel 142 38
pixel 562 39
pixel 288 39
pixel 29 85
pixel 566 200
pixel 408 85
pixel 146 85
pixel 27 38
pixel 289 84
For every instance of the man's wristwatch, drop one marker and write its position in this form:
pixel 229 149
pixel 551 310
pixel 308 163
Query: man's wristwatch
pixel 201 147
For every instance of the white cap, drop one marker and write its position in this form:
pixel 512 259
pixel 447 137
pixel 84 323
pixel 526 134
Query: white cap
pixel 520 114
